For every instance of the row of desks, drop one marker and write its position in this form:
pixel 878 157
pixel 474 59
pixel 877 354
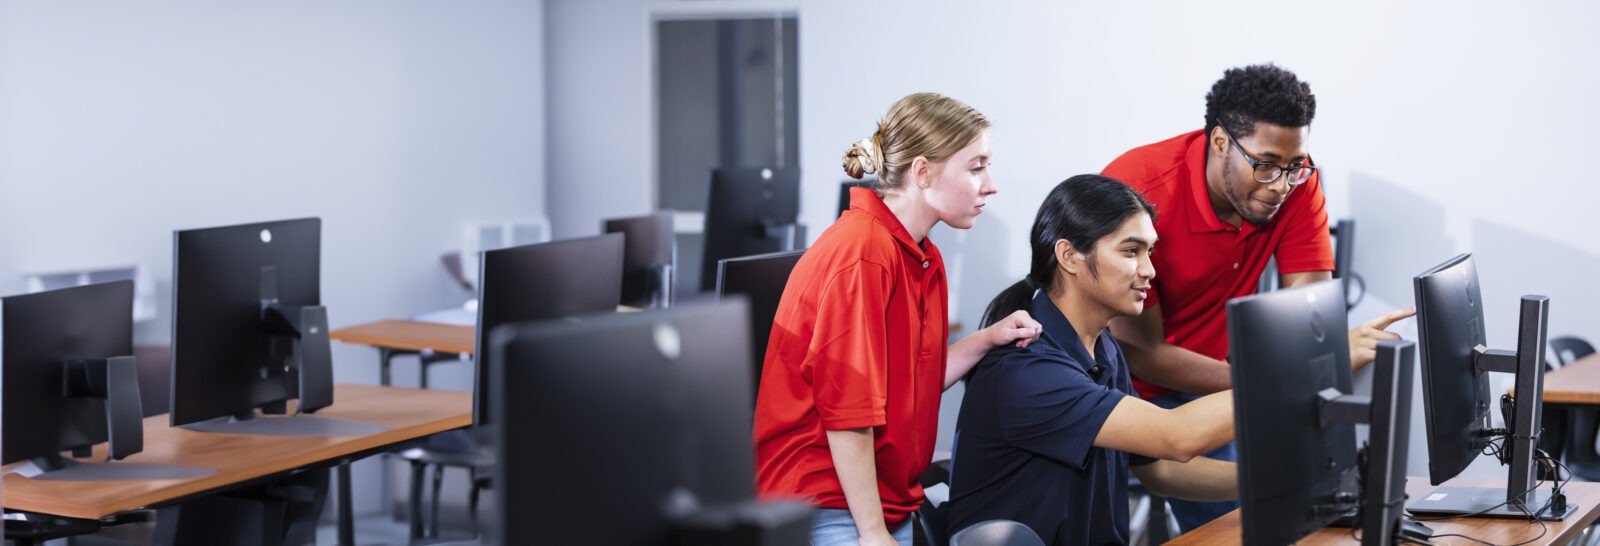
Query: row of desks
pixel 414 413
pixel 408 414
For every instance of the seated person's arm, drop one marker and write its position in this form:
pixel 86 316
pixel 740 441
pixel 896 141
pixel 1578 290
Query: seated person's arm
pixel 1364 338
pixel 1179 434
pixel 1152 358
pixel 1200 479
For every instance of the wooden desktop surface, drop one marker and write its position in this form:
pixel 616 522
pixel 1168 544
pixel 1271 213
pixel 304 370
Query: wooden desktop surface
pixel 409 413
pixel 410 335
pixel 1575 383
pixel 1586 495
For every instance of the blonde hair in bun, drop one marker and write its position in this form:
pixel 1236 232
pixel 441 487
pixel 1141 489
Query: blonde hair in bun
pixel 926 125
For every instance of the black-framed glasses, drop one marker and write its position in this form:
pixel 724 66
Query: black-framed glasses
pixel 1267 172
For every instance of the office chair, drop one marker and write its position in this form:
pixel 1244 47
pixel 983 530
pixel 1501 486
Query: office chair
pixel 443 451
pixel 1582 422
pixel 1149 521
pixel 933 522
pixel 996 532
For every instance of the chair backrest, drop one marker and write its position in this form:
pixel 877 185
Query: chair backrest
pixel 1565 349
pixel 760 279
pixel 996 532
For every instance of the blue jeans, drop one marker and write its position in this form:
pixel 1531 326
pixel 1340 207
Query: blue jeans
pixel 834 527
pixel 1192 514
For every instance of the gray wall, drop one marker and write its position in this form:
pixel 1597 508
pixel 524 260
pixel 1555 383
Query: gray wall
pixel 393 121
pixel 1442 129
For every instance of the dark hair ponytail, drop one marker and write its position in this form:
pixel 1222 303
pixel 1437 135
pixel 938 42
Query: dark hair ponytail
pixel 1081 209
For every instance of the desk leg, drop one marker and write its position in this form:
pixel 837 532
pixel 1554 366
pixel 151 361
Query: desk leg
pixel 347 530
pixel 385 360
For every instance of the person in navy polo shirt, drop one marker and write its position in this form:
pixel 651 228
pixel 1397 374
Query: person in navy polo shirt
pixel 1047 432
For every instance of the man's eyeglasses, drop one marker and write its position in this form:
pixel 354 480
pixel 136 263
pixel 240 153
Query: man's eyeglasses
pixel 1267 172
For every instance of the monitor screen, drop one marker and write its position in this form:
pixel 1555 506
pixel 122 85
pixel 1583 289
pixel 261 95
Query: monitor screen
pixel 1285 347
pixel 1454 392
pixel 761 280
pixel 226 359
pixel 749 211
pixel 559 279
pixel 650 247
pixel 40 333
pixel 657 399
pixel 844 191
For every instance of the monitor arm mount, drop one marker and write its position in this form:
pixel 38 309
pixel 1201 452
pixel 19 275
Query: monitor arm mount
pixel 1388 414
pixel 115 379
pixel 1523 426
pixel 306 327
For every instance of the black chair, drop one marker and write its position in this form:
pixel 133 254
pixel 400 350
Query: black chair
pixel 1149 521
pixel 996 532
pixel 933 522
pixel 1576 446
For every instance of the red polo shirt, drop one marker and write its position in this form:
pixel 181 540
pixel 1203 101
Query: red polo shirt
pixel 858 341
pixel 1201 262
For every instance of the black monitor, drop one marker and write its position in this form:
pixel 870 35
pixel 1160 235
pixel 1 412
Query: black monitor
pixel 761 280
pixel 649 255
pixel 657 399
pixel 844 191
pixel 1285 347
pixel 69 376
pixel 749 211
pixel 248 329
pixel 559 279
pixel 1294 416
pixel 1458 402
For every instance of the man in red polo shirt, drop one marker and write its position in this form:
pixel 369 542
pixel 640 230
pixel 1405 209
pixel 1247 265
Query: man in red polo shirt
pixel 1231 196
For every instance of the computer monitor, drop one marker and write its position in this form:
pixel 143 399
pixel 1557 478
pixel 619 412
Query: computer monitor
pixel 748 212
pixel 761 280
pixel 558 279
pixel 658 400
pixel 650 252
pixel 1285 347
pixel 70 381
pixel 1455 366
pixel 844 191
pixel 1294 417
pixel 249 330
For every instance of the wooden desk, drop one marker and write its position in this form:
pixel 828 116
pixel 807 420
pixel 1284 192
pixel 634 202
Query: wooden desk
pixel 410 336
pixel 1575 383
pixel 431 342
pixel 409 414
pixel 1586 495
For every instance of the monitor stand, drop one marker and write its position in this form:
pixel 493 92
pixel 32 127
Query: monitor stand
pixel 286 425
pixel 1488 502
pixel 62 469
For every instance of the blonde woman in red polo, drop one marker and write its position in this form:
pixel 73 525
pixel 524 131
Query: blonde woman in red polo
pixel 848 405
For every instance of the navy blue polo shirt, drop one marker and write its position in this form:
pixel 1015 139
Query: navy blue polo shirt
pixel 1024 447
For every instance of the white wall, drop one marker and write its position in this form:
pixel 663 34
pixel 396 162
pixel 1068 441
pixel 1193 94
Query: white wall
pixel 394 122
pixel 1443 128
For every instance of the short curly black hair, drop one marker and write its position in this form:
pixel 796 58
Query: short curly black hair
pixel 1261 92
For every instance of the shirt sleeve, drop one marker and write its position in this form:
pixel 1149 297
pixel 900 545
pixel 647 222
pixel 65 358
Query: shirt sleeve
pixel 849 355
pixel 1053 409
pixel 1306 245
